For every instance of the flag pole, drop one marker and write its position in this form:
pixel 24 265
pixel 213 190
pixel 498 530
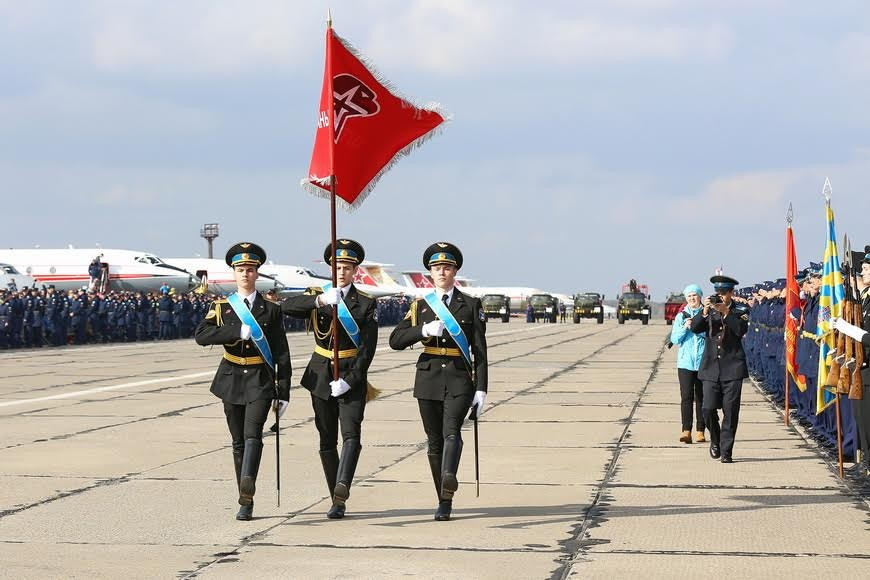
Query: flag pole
pixel 789 216
pixel 839 438
pixel 331 112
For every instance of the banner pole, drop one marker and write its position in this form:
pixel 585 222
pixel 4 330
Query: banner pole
pixel 786 392
pixel 334 278
pixel 839 439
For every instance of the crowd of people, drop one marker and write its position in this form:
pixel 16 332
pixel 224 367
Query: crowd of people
pixel 765 354
pixel 40 317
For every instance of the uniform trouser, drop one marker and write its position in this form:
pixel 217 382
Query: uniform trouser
pixel 691 391
pixel 443 418
pixel 246 421
pixel 724 395
pixel 165 330
pixel 330 413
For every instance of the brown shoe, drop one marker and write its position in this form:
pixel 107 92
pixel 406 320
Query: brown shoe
pixel 699 437
pixel 686 437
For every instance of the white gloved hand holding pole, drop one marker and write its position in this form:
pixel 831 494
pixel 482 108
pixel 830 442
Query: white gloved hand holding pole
pixel 339 387
pixel 434 328
pixel 328 298
pixel 849 330
pixel 245 333
pixel 478 401
pixel 280 405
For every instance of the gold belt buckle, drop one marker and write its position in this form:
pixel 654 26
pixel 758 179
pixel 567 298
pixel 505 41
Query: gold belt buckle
pixel 243 360
pixel 443 350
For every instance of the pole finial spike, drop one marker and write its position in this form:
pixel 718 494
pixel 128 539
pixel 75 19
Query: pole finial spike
pixel 789 215
pixel 328 18
pixel 827 190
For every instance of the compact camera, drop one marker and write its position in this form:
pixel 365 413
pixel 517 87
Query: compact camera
pixel 715 299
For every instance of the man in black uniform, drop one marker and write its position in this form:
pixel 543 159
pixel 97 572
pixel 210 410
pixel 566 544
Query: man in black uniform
pixel 341 401
pixel 723 364
pixel 245 382
pixel 447 383
pixel 861 407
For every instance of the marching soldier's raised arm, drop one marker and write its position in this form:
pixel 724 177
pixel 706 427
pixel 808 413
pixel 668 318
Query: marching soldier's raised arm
pixel 212 330
pixel 404 335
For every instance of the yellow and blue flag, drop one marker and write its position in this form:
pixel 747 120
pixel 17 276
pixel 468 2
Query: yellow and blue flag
pixel 831 298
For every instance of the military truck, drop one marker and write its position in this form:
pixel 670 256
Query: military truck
pixel 545 307
pixel 675 302
pixel 633 303
pixel 589 305
pixel 496 306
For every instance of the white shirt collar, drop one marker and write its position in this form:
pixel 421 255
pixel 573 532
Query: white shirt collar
pixel 439 292
pixel 345 289
pixel 250 297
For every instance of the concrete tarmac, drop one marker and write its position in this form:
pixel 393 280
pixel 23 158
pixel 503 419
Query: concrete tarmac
pixel 115 462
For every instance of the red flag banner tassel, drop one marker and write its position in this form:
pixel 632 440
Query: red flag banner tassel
pixel 364 127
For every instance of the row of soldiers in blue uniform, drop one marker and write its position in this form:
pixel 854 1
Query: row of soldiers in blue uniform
pixel 32 318
pixel 764 344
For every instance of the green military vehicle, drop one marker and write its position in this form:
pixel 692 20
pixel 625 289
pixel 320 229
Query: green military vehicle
pixel 589 305
pixel 545 307
pixel 633 303
pixel 496 306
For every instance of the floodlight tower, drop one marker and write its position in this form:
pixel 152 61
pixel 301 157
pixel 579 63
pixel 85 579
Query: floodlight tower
pixel 209 232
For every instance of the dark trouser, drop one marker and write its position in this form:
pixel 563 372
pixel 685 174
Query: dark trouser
pixel 441 419
pixel 344 411
pixel 691 391
pixel 724 394
pixel 246 421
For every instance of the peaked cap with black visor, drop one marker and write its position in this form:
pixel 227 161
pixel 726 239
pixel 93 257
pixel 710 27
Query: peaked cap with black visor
pixel 723 283
pixel 246 254
pixel 442 253
pixel 345 251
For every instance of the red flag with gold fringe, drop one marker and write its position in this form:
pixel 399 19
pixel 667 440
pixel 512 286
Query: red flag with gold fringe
pixel 792 312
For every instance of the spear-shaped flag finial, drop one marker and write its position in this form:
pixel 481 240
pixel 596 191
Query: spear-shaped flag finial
pixel 328 18
pixel 827 190
pixel 789 215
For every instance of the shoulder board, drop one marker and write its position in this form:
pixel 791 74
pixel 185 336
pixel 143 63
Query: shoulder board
pixel 220 301
pixel 361 293
pixel 313 291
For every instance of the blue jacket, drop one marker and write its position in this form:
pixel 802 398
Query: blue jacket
pixel 691 344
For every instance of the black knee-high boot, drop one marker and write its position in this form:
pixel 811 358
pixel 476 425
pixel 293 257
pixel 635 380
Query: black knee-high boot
pixel 450 465
pixel 247 483
pixel 350 451
pixel 329 460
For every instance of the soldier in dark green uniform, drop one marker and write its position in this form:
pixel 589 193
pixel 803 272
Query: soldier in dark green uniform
pixel 244 380
pixel 339 402
pixel 452 369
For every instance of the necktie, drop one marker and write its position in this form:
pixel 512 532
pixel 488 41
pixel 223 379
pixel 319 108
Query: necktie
pixel 444 299
pixel 248 304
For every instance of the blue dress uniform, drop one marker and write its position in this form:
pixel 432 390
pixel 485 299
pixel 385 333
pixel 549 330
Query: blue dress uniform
pixel 444 385
pixel 5 317
pixel 348 409
pixel 164 317
pixel 244 381
pixel 723 368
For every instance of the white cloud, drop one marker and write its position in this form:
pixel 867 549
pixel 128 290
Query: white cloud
pixel 59 107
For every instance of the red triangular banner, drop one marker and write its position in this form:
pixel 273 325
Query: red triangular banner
pixel 363 127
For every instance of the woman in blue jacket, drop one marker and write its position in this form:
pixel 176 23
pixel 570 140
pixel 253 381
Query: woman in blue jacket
pixel 688 360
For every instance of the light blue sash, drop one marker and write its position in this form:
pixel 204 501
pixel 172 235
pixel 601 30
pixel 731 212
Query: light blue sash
pixel 257 335
pixel 444 314
pixel 347 322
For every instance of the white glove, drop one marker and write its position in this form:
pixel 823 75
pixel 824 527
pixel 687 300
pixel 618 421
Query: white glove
pixel 329 298
pixel 479 398
pixel 434 328
pixel 849 330
pixel 245 333
pixel 339 387
pixel 280 405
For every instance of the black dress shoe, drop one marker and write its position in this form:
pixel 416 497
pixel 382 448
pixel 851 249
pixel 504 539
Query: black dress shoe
pixel 246 512
pixel 714 451
pixel 443 512
pixel 336 512
pixel 727 459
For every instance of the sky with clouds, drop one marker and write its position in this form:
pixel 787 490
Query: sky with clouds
pixel 592 141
